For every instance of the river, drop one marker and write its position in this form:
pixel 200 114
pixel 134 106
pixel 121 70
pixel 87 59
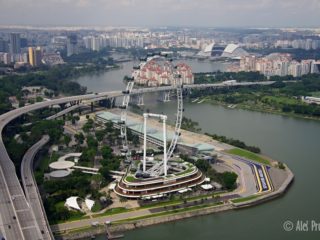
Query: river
pixel 291 140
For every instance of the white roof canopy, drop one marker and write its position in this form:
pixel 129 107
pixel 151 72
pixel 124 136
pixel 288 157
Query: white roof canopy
pixel 72 202
pixel 206 186
pixel 89 203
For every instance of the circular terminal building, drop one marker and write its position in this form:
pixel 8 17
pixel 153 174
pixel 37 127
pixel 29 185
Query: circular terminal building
pixel 153 183
pixel 59 174
pixel 61 165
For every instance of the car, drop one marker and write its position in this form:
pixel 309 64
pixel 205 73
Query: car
pixel 94 224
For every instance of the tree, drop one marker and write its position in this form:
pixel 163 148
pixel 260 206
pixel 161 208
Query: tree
pixel 109 126
pixel 62 212
pixel 135 140
pixel 79 138
pixel 67 140
pixel 100 135
pixel 106 152
pixel 229 179
pixel 104 171
pixel 88 155
pixel 203 165
pixel 92 142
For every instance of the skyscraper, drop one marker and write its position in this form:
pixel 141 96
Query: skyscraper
pixel 31 57
pixel 14 43
pixel 35 56
pixel 3 45
pixel 315 67
pixel 72 45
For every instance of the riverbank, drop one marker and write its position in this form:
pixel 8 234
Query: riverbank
pixel 130 224
pixel 255 108
pixel 128 221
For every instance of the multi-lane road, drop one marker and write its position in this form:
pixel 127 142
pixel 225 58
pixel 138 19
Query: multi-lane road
pixel 17 219
pixel 31 189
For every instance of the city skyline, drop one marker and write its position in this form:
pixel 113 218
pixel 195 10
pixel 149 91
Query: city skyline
pixel 216 13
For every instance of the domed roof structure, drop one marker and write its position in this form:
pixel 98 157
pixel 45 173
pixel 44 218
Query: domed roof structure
pixel 61 165
pixel 224 51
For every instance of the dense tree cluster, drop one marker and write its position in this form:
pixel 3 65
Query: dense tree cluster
pixel 234 142
pixel 57 191
pixel 99 58
pixel 190 125
pixel 16 149
pixel 226 179
pixel 280 96
pixel 213 77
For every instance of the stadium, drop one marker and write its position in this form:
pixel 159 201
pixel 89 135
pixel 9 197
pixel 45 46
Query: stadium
pixel 215 50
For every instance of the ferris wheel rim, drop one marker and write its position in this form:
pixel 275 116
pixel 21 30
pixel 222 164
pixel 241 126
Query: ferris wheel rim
pixel 126 101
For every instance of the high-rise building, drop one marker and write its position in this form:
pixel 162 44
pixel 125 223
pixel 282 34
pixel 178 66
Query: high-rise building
pixel 96 44
pixel 23 42
pixel 305 66
pixel 35 56
pixel 72 47
pixel 5 58
pixel 15 43
pixel 295 69
pixel 315 67
pixel 87 42
pixel 3 45
pixel 31 57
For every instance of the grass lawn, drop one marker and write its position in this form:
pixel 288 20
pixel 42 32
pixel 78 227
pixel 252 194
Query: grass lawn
pixel 249 155
pixel 244 199
pixel 96 207
pixel 189 170
pixel 170 212
pixel 281 100
pixel 73 215
pixel 113 211
pixel 130 179
pixel 315 94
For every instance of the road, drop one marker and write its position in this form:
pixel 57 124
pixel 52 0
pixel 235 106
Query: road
pixel 31 188
pixel 247 183
pixel 17 219
pixel 62 227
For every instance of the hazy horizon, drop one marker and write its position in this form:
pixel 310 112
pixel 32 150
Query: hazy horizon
pixel 157 13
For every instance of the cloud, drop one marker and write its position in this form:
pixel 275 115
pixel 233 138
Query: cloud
pixel 161 12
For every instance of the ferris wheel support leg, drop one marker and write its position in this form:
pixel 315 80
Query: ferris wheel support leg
pixel 164 147
pixel 144 142
pixel 140 100
pixel 166 96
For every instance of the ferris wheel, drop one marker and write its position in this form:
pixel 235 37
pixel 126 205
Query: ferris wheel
pixel 177 82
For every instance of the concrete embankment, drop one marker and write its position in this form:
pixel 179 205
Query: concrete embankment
pixel 129 225
pixel 144 222
pixel 266 197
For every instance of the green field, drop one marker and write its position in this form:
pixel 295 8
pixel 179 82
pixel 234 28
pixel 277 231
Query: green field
pixel 113 211
pixel 281 100
pixel 170 212
pixel 315 94
pixel 244 199
pixel 131 179
pixel 96 207
pixel 248 155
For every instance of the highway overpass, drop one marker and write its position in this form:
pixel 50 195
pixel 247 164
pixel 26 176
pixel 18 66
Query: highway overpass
pixel 17 219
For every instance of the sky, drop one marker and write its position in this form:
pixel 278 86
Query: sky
pixel 146 13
